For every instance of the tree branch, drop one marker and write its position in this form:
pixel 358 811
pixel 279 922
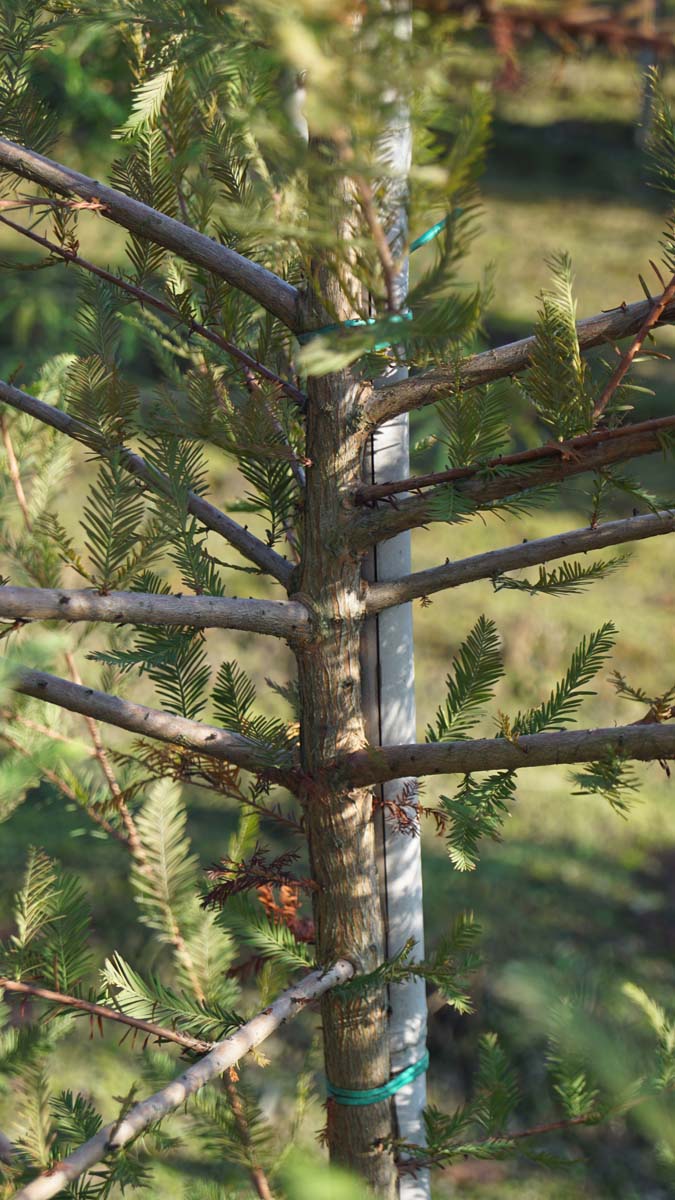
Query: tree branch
pixel 108 1014
pixel 609 29
pixel 147 299
pixel 273 293
pixel 626 360
pixel 224 1055
pixel 278 618
pixel 148 722
pixel 527 554
pixel 369 494
pixel 595 452
pixel 249 546
pixel 381 763
pixel 430 386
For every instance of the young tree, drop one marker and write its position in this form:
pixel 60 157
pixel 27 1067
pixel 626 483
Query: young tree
pixel 264 275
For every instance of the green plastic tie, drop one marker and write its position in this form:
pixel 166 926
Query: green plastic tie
pixel 430 234
pixel 374 1095
pixel 427 236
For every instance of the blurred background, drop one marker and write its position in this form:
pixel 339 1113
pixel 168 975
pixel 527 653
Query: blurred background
pixel 575 900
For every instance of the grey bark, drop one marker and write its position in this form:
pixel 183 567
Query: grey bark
pixel 279 618
pixel 383 595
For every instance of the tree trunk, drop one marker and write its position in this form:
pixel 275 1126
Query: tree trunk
pixel 339 823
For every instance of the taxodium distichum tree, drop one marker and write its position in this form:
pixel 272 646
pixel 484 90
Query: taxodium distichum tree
pixel 279 164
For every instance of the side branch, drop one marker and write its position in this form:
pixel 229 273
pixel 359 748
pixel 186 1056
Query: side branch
pixel 511 558
pixel 211 517
pixel 223 1056
pixel 273 293
pixel 644 743
pixel 511 359
pixel 482 489
pixel 368 494
pixel 102 1012
pixel 279 618
pixel 147 299
pixel 148 722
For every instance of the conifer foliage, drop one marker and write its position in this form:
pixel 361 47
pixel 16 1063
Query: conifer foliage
pixel 264 241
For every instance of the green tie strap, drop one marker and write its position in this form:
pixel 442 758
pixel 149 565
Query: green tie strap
pixel 427 236
pixel 375 1095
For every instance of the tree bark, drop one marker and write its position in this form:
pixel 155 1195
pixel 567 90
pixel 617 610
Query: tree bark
pixel 339 821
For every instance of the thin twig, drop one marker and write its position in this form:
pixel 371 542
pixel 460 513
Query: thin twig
pixel 389 270
pixel 273 293
pixel 198 1045
pixel 488 491
pixel 623 366
pixel 65 788
pixel 146 298
pixel 223 1056
pixel 133 839
pixel 611 30
pixel 14 473
pixel 251 547
pixel 369 493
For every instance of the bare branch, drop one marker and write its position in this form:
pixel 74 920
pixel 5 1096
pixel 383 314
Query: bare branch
pixel 277 618
pixel 274 294
pixel 430 386
pixel 600 28
pixel 148 722
pixel 108 1014
pixel 381 763
pixel 526 554
pixel 224 1055
pixel 368 494
pixel 147 299
pixel 389 269
pixel 249 546
pixel 627 359
pixel 14 473
pixel 601 451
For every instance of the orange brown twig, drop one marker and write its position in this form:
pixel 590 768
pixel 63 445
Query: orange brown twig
pixel 102 1012
pixel 627 358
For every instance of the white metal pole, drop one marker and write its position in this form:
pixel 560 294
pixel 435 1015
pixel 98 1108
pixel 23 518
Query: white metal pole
pixel 389 699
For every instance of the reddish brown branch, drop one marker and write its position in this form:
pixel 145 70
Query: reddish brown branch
pixel 601 451
pixel 652 319
pixel 108 1014
pixel 380 240
pixel 612 31
pixel 370 493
